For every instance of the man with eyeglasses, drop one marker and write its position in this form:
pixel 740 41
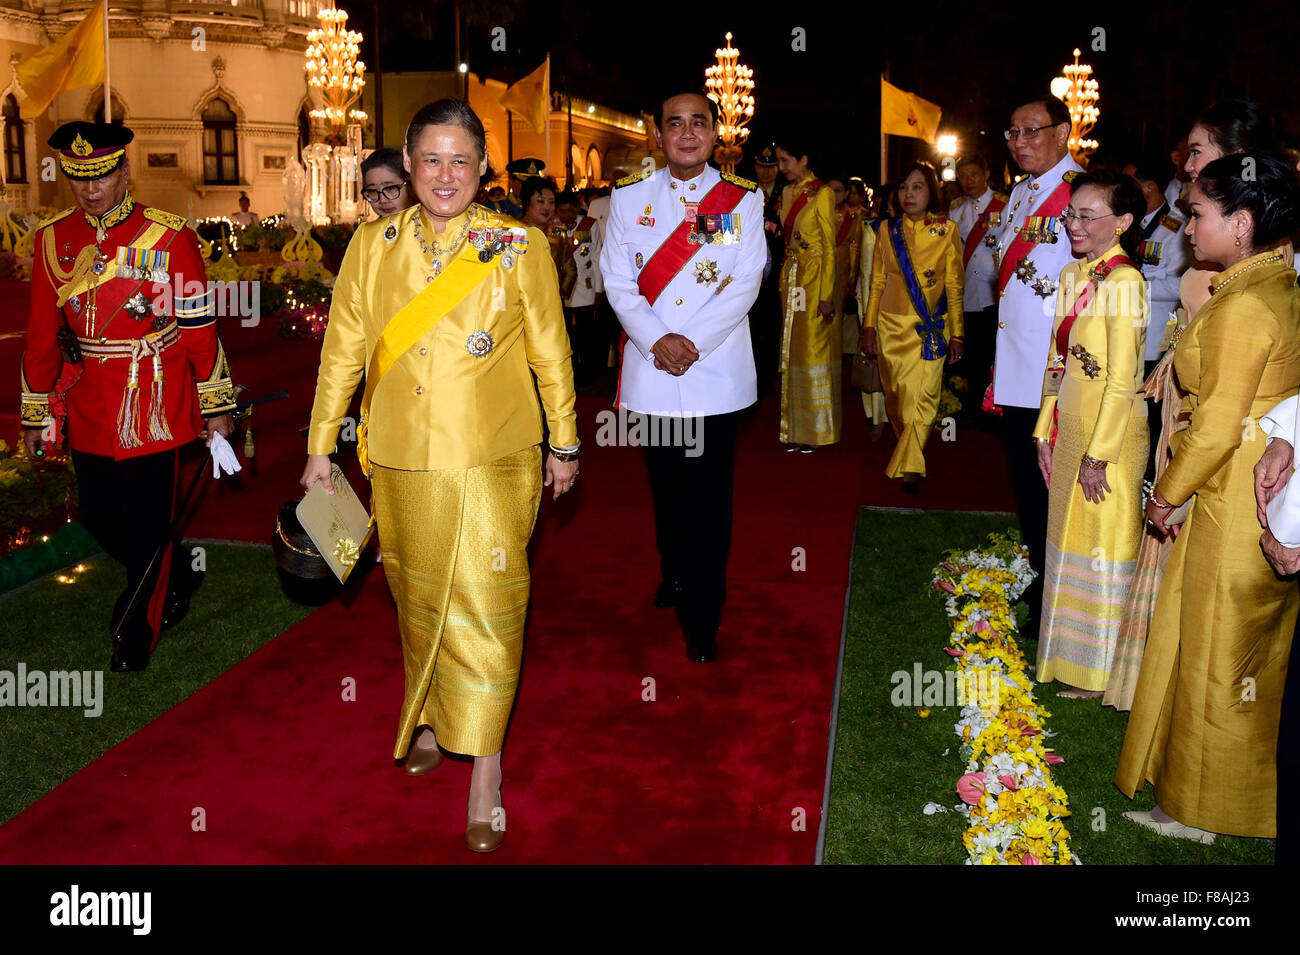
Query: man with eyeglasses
pixel 1031 251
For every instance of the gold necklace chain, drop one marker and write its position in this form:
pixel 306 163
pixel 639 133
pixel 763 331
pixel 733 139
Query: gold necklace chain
pixel 437 251
pixel 1275 257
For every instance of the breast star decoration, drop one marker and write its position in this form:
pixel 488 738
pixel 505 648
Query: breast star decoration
pixel 706 272
pixel 1091 367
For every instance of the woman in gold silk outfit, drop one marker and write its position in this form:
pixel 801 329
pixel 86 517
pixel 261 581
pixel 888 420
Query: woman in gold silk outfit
pixel 1094 469
pixel 849 214
pixel 452 310
pixel 810 343
pixel 1227 128
pixel 912 380
pixel 1205 715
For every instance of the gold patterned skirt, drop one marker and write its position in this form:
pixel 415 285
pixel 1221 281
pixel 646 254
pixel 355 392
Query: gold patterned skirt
pixel 1091 558
pixel 912 389
pixel 811 366
pixel 1203 728
pixel 454 544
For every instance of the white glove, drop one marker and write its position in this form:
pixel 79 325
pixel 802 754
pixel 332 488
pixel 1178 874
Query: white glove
pixel 223 456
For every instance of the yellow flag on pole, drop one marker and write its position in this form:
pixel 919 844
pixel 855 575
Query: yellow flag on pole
pixel 906 114
pixel 531 96
pixel 74 61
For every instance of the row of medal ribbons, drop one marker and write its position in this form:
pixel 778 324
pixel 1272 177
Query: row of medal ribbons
pixel 142 263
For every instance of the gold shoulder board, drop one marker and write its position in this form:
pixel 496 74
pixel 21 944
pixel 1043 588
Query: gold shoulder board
pixel 62 214
pixel 1001 197
pixel 169 219
pixel 1170 223
pixel 1069 175
pixel 635 177
pixel 956 202
pixel 747 184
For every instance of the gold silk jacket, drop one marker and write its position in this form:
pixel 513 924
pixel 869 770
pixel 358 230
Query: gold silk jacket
pixel 440 406
pixel 935 246
pixel 1237 359
pixel 1108 339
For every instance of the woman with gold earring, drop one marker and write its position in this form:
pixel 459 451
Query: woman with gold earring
pixel 810 345
pixel 913 321
pixel 1205 715
pixel 1092 435
pixel 451 311
pixel 1227 128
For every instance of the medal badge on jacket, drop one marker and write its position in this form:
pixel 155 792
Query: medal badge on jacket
pixel 504 241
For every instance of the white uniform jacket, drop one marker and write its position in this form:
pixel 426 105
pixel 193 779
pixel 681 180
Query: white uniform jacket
pixel 981 289
pixel 707 301
pixel 1164 256
pixel 1027 308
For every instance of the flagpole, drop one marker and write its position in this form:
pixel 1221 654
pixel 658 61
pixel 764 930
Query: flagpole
pixel 108 90
pixel 548 114
pixel 884 137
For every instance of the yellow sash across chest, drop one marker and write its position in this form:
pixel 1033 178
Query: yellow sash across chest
pixel 415 320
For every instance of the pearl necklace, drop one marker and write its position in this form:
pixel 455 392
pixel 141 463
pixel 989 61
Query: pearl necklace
pixel 1275 257
pixel 437 251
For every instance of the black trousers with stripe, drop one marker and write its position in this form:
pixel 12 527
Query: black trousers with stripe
pixel 127 506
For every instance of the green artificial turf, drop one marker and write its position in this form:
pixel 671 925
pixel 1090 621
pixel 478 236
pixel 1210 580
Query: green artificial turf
pixel 889 761
pixel 57 626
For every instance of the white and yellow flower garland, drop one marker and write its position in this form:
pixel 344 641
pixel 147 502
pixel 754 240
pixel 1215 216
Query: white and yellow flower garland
pixel 1013 808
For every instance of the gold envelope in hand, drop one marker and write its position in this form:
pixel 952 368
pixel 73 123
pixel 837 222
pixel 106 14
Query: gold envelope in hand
pixel 337 524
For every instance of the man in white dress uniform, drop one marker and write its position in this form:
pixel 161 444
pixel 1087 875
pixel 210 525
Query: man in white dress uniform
pixel 1031 251
pixel 681 261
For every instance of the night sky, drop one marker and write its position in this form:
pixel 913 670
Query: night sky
pixel 1159 66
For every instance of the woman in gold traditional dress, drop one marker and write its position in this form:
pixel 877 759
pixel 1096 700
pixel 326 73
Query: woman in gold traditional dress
pixel 1226 128
pixel 451 311
pixel 848 246
pixel 810 344
pixel 1204 723
pixel 917 264
pixel 1092 435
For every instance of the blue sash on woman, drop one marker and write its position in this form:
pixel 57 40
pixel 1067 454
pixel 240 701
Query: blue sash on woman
pixel 931 326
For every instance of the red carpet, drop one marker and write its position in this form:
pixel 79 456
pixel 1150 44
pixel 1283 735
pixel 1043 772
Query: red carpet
pixel 722 766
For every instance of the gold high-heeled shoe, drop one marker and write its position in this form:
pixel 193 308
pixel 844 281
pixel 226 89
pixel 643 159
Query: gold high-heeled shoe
pixel 480 835
pixel 420 761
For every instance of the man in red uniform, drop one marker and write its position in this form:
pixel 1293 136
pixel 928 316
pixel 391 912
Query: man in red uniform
pixel 122 340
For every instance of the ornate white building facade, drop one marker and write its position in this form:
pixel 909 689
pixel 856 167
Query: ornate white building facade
pixel 214 90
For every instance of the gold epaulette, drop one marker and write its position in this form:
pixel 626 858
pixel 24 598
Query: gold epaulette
pixel 1170 223
pixel 747 184
pixel 170 219
pixel 1069 175
pixel 956 202
pixel 635 177
pixel 57 216
pixel 1001 196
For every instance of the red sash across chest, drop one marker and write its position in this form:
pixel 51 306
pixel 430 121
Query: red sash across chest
pixel 1020 247
pixel 1085 296
pixel 671 257
pixel 799 203
pixel 850 220
pixel 981 227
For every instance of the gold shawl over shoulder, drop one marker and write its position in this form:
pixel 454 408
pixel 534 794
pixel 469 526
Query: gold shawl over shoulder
pixel 440 406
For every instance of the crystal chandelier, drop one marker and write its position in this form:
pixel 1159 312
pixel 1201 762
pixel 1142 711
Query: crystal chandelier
pixel 1079 92
pixel 333 68
pixel 730 86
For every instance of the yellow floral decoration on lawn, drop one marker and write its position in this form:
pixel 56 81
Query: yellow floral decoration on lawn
pixel 1014 809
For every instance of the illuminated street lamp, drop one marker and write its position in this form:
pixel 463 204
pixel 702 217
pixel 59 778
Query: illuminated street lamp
pixel 730 86
pixel 1079 93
